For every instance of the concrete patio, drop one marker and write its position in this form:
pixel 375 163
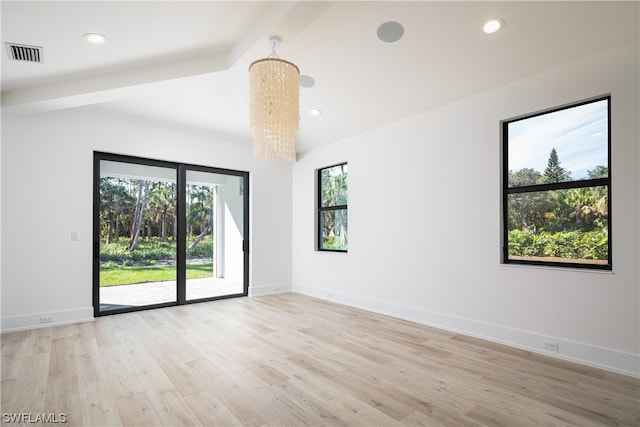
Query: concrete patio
pixel 141 294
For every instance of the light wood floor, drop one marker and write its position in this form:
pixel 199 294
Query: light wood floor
pixel 293 360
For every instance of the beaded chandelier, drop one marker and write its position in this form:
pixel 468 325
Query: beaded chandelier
pixel 274 114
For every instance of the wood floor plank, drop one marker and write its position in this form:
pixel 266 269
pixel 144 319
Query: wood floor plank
pixel 137 411
pixel 149 373
pixel 16 343
pixel 310 403
pixel 416 419
pixel 488 416
pixel 172 409
pixel 562 399
pixel 240 383
pixel 6 391
pixel 311 372
pixel 357 412
pixel 122 377
pixel 520 406
pixel 29 390
pixel 63 397
pixel 374 394
pixel 260 367
pixel 290 360
pixel 62 356
pixel 40 341
pixel 105 331
pixel 89 363
pixel 183 379
pixel 442 417
pixel 287 410
pixel 11 366
pixel 98 405
pixel 184 345
pixel 210 410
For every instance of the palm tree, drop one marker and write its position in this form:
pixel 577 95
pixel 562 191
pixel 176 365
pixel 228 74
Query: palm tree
pixel 138 217
pixel 115 201
pixel 162 202
pixel 200 211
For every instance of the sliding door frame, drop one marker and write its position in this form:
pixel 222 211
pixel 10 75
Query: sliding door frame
pixel 182 225
pixel 181 244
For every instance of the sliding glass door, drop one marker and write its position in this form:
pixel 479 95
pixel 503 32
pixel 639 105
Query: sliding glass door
pixel 167 233
pixel 215 234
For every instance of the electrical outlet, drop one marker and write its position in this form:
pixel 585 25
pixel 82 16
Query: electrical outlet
pixel 46 319
pixel 550 345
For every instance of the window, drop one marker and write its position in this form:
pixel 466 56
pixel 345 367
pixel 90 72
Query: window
pixel 557 187
pixel 332 208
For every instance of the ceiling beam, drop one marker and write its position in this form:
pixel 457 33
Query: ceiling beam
pixel 121 83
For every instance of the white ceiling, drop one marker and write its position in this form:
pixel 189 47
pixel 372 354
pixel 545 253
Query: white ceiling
pixel 183 65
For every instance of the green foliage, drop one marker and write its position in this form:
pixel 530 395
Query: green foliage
pixel 529 211
pixel 150 248
pixel 204 249
pixel 584 209
pixel 598 172
pixel 520 243
pixel 585 245
pixel 335 243
pixel 116 207
pixel 525 176
pixel 150 251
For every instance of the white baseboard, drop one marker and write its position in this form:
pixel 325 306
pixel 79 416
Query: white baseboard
pixel 276 288
pixel 33 321
pixel 572 351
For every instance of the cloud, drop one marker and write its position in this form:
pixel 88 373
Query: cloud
pixel 579 134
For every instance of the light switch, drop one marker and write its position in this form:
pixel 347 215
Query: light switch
pixel 75 236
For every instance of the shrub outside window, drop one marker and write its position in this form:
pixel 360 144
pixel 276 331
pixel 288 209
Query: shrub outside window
pixel 332 208
pixel 557 187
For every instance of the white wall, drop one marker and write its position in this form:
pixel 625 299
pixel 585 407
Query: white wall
pixel 424 223
pixel 47 172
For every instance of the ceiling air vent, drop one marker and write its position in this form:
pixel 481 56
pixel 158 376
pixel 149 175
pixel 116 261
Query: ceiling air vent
pixel 22 52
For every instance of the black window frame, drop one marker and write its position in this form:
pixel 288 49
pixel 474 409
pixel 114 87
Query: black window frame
pixel 580 183
pixel 321 209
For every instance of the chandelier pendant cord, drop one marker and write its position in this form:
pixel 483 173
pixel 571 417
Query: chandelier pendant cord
pixel 274 42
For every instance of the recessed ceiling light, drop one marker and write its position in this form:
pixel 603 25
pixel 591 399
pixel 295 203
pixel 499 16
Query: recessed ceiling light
pixel 306 81
pixel 95 38
pixel 492 25
pixel 390 31
pixel 315 112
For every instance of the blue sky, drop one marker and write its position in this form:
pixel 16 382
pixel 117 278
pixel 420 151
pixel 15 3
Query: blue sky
pixel 579 135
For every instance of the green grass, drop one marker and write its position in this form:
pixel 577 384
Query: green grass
pixel 120 275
